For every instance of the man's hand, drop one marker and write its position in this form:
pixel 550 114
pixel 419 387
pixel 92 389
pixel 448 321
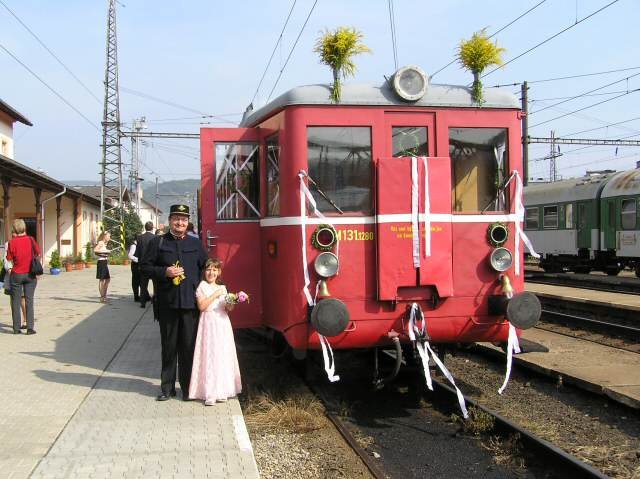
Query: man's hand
pixel 173 271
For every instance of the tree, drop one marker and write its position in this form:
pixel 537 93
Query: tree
pixel 130 227
pixel 337 50
pixel 476 55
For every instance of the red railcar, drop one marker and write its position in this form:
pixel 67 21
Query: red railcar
pixel 384 163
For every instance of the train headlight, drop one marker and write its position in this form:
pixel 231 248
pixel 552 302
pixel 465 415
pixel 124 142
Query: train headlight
pixel 410 83
pixel 501 259
pixel 326 265
pixel 497 234
pixel 324 237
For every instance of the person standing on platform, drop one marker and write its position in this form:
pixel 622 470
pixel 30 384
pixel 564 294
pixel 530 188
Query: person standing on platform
pixel 191 230
pixel 102 265
pixel 135 271
pixel 142 241
pixel 175 260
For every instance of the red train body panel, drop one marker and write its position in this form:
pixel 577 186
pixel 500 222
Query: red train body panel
pixel 252 218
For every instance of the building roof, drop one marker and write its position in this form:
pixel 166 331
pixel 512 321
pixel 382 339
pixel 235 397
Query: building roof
pixel 149 206
pixel 22 175
pixel 382 95
pixel 13 113
pixel 96 191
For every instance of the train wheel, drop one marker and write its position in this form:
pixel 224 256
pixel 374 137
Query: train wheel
pixel 613 271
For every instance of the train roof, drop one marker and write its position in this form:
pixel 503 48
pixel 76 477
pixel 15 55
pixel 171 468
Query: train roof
pixel 439 96
pixel 623 183
pixel 573 189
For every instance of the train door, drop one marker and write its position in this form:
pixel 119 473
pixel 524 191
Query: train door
pixel 609 224
pixel 583 225
pixel 404 269
pixel 230 198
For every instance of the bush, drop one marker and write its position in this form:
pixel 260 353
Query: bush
pixel 69 259
pixel 55 262
pixel 89 256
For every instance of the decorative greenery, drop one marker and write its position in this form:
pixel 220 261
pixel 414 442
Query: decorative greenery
pixel 89 256
pixel 78 258
pixel 490 233
pixel 314 238
pixel 132 226
pixel 337 49
pixel 68 259
pixel 118 257
pixel 55 262
pixel 476 55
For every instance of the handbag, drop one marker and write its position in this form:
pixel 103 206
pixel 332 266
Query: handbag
pixel 36 267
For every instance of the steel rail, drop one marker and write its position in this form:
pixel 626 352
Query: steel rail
pixel 596 322
pixel 593 283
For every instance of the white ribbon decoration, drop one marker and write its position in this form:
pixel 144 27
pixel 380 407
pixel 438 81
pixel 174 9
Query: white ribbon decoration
pixel 520 235
pixel 305 194
pixel 329 363
pixel 513 346
pixel 427 212
pixel 422 345
pixel 415 231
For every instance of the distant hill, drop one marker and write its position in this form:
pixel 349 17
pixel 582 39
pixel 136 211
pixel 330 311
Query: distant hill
pixel 171 193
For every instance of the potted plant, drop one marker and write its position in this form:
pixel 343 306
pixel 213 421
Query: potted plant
pixel 88 254
pixel 78 262
pixel 67 261
pixel 55 263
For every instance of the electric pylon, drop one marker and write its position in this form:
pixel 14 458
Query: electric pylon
pixel 111 190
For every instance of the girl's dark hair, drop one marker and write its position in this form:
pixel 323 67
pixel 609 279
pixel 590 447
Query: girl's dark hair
pixel 216 263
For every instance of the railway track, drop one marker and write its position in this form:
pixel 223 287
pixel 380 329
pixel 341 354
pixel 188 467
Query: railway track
pixel 586 281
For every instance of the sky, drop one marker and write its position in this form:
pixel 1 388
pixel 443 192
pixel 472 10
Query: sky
pixel 182 62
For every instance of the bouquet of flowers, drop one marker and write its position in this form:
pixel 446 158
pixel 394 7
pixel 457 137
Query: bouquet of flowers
pixel 236 298
pixel 178 279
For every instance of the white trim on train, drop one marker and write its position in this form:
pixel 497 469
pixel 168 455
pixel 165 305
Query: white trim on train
pixel 391 218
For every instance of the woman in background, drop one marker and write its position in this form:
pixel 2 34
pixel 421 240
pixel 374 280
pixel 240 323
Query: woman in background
pixel 102 269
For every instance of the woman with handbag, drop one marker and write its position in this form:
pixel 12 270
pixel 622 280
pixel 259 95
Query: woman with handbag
pixel 5 277
pixel 23 252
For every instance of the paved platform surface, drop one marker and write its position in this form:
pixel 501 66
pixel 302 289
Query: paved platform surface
pixel 79 395
pixel 598 368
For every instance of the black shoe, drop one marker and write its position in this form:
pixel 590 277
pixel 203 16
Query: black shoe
pixel 17 331
pixel 173 393
pixel 162 397
pixel 136 298
pixel 185 397
pixel 31 331
pixel 143 305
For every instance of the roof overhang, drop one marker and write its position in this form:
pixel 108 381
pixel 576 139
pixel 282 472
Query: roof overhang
pixel 22 175
pixel 13 113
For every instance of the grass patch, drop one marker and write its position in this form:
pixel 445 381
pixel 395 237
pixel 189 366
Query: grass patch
pixel 297 414
pixel 507 453
pixel 478 422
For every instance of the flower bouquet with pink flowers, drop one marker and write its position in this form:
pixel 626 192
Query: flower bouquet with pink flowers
pixel 236 298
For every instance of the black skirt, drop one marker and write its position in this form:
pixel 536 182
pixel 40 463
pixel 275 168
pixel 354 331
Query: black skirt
pixel 102 271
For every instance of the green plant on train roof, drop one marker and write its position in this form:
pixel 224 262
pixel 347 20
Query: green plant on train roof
pixel 475 55
pixel 337 49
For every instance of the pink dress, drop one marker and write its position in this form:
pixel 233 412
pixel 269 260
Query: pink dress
pixel 215 374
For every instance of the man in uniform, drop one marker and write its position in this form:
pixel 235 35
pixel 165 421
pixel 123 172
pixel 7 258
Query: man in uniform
pixel 175 261
pixel 142 241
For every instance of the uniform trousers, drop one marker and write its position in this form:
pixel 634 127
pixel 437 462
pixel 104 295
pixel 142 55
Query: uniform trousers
pixel 178 332
pixel 135 281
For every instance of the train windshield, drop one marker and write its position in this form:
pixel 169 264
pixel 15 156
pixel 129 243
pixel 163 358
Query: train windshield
pixel 340 163
pixel 480 161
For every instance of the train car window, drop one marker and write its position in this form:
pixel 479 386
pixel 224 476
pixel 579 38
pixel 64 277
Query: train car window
pixel 237 181
pixel 628 214
pixel 273 176
pixel 340 163
pixel 568 216
pixel 479 160
pixel 409 141
pixel 550 217
pixel 531 221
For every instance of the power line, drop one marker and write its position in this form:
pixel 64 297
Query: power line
pixel 51 89
pixel 533 100
pixel 601 127
pixel 551 38
pixel 392 22
pixel 584 108
pixel 501 29
pixel 275 47
pixel 584 94
pixel 292 49
pixel 50 52
pixel 565 77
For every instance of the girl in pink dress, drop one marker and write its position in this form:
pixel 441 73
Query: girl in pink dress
pixel 215 375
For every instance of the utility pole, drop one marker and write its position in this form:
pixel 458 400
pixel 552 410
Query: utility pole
pixel 134 178
pixel 156 202
pixel 553 172
pixel 525 133
pixel 111 157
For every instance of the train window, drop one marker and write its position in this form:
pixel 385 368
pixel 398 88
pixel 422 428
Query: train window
pixel 237 181
pixel 568 216
pixel 628 214
pixel 273 176
pixel 550 217
pixel 340 163
pixel 409 141
pixel 480 161
pixel 531 219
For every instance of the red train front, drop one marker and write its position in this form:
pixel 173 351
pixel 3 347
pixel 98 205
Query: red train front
pixel 313 208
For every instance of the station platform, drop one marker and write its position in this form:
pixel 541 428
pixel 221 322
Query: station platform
pixel 601 369
pixel 79 396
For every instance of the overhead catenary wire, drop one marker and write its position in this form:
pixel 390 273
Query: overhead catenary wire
pixel 605 93
pixel 292 49
pixel 601 127
pixel 64 100
pixel 50 52
pixel 392 22
pixel 492 35
pixel 275 47
pixel 550 38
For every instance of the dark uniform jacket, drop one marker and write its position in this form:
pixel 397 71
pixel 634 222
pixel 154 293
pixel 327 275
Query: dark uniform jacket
pixel 142 241
pixel 163 251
